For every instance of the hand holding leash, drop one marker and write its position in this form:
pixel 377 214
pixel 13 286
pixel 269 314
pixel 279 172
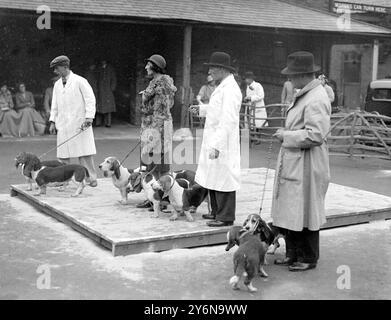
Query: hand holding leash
pixel 52 128
pixel 279 135
pixel 87 123
pixel 195 109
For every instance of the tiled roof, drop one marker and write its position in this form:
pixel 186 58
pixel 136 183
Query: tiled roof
pixel 256 13
pixel 378 3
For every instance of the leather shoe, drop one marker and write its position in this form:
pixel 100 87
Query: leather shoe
pixel 217 223
pixel 284 262
pixel 301 266
pixel 209 216
pixel 145 204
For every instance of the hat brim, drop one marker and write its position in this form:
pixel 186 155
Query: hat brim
pixel 61 64
pixel 220 66
pixel 288 72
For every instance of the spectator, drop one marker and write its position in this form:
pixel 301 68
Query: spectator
pixel 8 116
pixel 31 122
pixel 287 92
pixel 255 95
pixel 47 101
pixel 206 91
pixel 107 82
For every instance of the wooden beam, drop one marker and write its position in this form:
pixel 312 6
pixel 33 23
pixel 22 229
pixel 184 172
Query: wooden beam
pixel 375 59
pixel 186 75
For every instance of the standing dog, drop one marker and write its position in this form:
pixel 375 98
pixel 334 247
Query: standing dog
pixel 24 157
pixel 268 233
pixel 120 176
pixel 45 175
pixel 248 260
pixel 182 195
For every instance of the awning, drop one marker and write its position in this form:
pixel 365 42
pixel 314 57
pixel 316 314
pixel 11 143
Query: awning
pixel 251 13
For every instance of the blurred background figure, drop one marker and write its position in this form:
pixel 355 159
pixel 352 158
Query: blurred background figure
pixel 206 91
pixel 8 116
pixel 47 100
pixel 31 123
pixel 329 90
pixel 287 92
pixel 255 95
pixel 107 83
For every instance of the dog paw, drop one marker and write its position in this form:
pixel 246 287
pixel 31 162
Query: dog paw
pixel 74 195
pixel 174 217
pixel 234 282
pixel 29 189
pixel 36 194
pixel 123 202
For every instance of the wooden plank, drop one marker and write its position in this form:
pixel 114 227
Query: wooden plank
pixel 63 217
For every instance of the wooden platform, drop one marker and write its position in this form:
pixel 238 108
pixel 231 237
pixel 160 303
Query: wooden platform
pixel 127 230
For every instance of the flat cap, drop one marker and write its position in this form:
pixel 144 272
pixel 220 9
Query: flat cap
pixel 60 61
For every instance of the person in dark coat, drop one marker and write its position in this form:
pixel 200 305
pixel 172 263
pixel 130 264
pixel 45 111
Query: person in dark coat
pixel 107 82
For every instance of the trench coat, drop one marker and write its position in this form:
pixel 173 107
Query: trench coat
pixel 71 105
pixel 257 95
pixel 303 174
pixel 221 132
pixel 107 82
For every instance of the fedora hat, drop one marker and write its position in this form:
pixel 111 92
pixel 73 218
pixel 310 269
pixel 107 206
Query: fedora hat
pixel 222 60
pixel 300 62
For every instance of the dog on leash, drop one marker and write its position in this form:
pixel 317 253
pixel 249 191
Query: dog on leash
pixel 268 233
pixel 182 194
pixel 61 174
pixel 23 158
pixel 248 260
pixel 120 176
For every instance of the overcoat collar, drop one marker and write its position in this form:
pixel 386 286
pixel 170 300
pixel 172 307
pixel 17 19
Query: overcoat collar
pixel 226 81
pixel 310 86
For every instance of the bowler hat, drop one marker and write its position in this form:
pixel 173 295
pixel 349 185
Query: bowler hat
pixel 158 60
pixel 220 59
pixel 300 62
pixel 60 61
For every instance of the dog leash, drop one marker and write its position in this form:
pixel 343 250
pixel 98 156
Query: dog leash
pixel 269 157
pixel 130 152
pixel 64 142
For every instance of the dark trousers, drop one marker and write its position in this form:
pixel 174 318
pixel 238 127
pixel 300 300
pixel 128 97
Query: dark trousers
pixel 302 246
pixel 223 205
pixel 106 119
pixel 161 168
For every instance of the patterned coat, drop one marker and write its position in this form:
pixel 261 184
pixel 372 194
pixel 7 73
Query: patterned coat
pixel 156 120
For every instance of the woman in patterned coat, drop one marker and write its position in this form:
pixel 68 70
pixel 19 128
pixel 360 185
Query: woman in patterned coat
pixel 156 120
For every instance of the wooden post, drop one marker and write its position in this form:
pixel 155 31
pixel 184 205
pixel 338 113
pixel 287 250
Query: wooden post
pixel 186 75
pixel 375 59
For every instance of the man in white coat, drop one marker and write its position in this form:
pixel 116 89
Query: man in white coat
pixel 255 95
pixel 73 108
pixel 219 163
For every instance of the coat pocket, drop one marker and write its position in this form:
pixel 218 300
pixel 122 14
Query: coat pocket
pixel 291 169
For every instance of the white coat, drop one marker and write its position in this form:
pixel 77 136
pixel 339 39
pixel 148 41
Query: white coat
pixel 257 95
pixel 71 105
pixel 221 132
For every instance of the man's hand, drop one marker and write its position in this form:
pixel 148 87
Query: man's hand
pixel 195 109
pixel 87 123
pixel 279 135
pixel 214 154
pixel 52 128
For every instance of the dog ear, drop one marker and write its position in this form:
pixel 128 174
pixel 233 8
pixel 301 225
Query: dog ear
pixel 116 168
pixel 265 232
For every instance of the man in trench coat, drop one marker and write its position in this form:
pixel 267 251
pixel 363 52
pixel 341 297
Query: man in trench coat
pixel 219 162
pixel 73 107
pixel 303 173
